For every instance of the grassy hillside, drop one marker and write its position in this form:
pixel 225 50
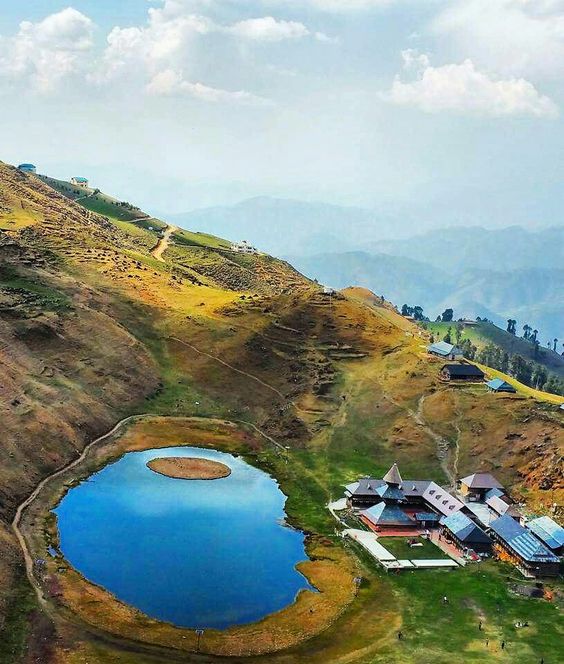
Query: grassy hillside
pixel 484 333
pixel 241 353
pixel 96 201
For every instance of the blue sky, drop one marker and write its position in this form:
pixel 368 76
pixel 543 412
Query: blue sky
pixel 440 112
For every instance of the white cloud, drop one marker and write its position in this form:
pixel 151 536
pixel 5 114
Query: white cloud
pixel 168 39
pixel 412 59
pixel 517 37
pixel 163 42
pixel 462 88
pixel 172 83
pixel 46 52
pixel 268 29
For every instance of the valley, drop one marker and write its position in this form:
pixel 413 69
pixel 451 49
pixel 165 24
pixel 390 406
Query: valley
pixel 204 347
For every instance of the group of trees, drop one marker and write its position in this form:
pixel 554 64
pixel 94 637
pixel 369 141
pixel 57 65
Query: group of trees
pixel 532 374
pixel 415 311
pixel 531 335
pixel 454 337
pixel 446 317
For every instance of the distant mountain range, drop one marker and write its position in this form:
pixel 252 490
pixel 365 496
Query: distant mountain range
pixel 473 248
pixel 498 274
pixel 533 296
pixel 283 227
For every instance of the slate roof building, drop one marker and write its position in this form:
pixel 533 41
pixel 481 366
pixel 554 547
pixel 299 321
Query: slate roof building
pixel 550 533
pixel 465 533
pixel 498 385
pixel 519 546
pixel 27 168
pixel 445 350
pixel 387 498
pixel 364 493
pixel 462 372
pixel 475 486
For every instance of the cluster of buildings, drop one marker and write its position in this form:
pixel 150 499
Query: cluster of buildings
pixel 480 518
pixel 461 372
pixel 244 247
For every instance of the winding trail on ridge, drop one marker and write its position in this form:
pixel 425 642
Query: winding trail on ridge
pixel 163 243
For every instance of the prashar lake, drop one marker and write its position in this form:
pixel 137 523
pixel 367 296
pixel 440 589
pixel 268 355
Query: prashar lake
pixel 196 553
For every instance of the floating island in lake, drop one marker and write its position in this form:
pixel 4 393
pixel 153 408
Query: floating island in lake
pixel 183 468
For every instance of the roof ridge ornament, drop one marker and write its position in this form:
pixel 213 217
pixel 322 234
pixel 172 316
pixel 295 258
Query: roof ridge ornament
pixel 393 475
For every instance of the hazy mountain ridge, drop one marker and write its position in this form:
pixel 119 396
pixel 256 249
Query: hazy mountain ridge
pixel 533 296
pixel 477 248
pixel 290 227
pixel 511 272
pixel 391 276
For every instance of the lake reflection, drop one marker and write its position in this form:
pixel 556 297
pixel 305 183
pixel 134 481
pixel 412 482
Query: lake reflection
pixel 195 553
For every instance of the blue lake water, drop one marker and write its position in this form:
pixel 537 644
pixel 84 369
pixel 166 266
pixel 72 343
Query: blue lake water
pixel 195 553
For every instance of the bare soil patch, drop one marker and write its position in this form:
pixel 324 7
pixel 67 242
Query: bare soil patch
pixel 183 468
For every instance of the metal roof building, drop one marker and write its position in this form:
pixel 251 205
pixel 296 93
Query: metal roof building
pixel 393 475
pixel 498 385
pixel 466 533
pixel 481 481
pixel 523 548
pixel 494 492
pixel 501 507
pixel 445 350
pixel 387 515
pixel 478 485
pixel 441 500
pixel 482 513
pixel 549 532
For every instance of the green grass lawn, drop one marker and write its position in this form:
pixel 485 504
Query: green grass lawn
pixel 151 223
pixel 192 239
pixel 402 551
pixel 476 593
pixel 107 207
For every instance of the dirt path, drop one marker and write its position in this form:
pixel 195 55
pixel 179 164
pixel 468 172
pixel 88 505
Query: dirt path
pixel 163 243
pixel 443 445
pixel 22 508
